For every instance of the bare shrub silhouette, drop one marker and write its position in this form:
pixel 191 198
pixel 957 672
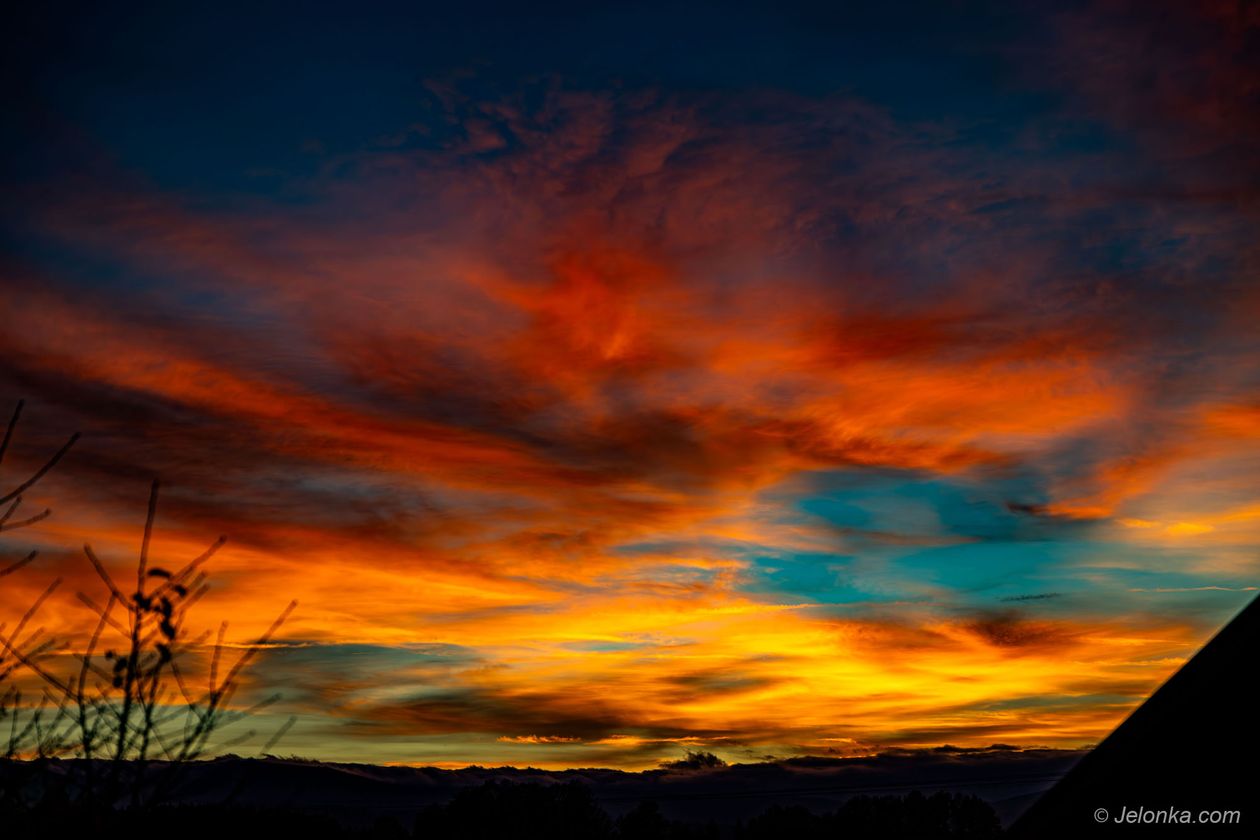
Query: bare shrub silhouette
pixel 34 732
pixel 12 499
pixel 143 696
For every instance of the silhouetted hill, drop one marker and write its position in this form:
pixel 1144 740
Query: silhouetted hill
pixel 363 795
pixel 522 811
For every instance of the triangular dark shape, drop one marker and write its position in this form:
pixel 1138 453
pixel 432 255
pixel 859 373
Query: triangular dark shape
pixel 1191 747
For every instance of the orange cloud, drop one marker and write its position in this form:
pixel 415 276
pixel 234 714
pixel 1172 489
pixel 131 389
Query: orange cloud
pixel 551 405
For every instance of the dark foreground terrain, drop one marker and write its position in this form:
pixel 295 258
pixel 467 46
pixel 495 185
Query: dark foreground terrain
pixel 943 793
pixel 506 810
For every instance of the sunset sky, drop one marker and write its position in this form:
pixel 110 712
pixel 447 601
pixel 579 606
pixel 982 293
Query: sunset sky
pixel 610 382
